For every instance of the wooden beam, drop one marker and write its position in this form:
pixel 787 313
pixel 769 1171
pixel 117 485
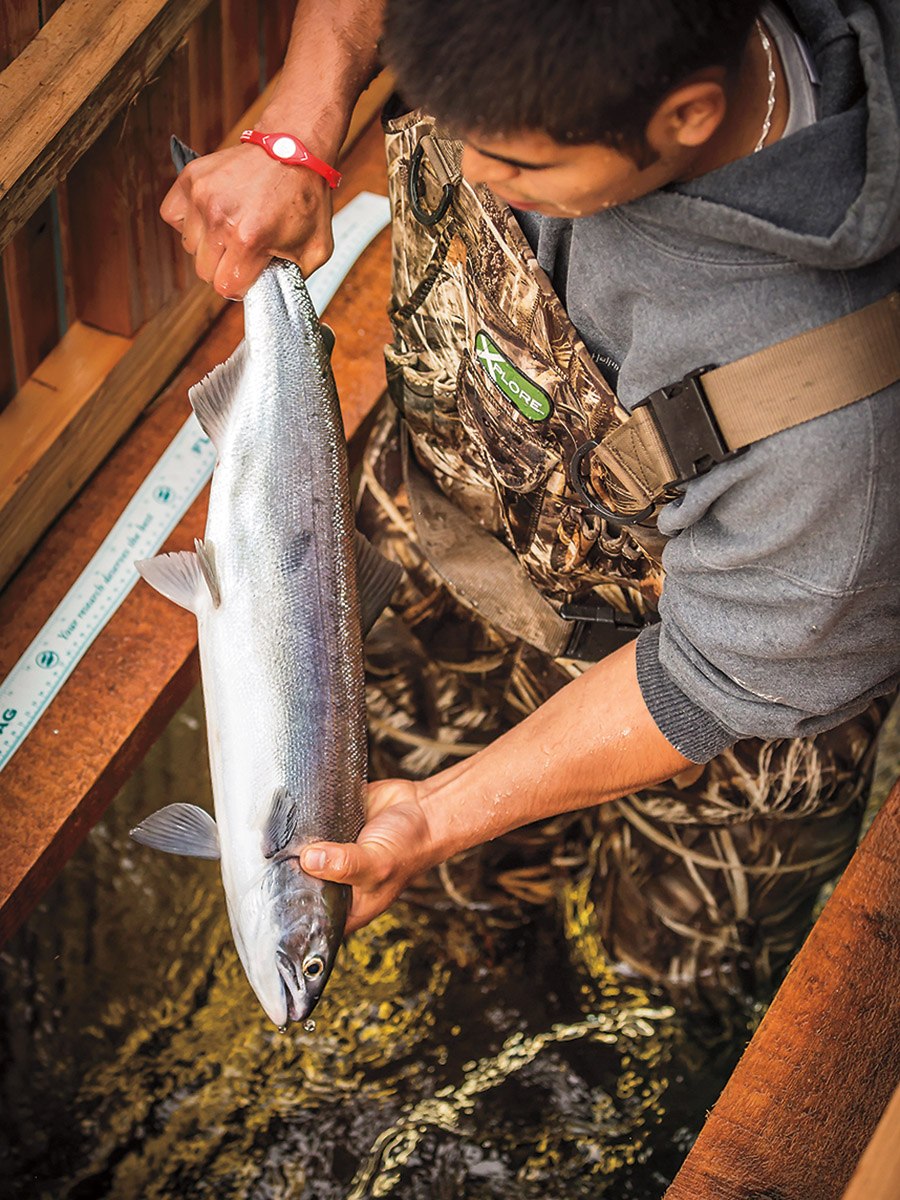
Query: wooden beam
pixel 142 665
pixel 806 1097
pixel 67 417
pixel 28 264
pixel 61 92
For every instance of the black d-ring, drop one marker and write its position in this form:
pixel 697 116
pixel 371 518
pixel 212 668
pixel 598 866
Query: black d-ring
pixel 415 194
pixel 589 496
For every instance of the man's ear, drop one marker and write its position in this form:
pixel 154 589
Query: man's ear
pixel 688 117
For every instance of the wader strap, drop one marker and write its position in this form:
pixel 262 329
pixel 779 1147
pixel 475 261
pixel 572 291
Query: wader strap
pixel 487 577
pixel 682 430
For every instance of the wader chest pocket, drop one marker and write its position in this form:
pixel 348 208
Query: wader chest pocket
pixel 426 397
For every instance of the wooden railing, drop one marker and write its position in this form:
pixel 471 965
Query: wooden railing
pixel 98 305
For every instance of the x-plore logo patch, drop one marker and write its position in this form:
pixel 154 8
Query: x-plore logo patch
pixel 531 400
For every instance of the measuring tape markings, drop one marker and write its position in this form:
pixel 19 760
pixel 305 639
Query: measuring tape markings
pixel 153 512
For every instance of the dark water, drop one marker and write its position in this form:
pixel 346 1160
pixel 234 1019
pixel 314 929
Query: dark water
pixel 452 1057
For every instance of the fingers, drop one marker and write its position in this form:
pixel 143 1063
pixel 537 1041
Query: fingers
pixel 234 212
pixel 349 863
pixel 236 271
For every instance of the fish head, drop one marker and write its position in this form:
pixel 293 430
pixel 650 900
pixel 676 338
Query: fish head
pixel 288 932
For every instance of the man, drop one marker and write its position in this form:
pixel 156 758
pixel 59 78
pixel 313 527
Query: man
pixel 692 184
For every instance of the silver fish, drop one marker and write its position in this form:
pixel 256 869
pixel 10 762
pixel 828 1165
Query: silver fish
pixel 276 590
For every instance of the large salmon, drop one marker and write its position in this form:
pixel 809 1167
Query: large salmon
pixel 276 592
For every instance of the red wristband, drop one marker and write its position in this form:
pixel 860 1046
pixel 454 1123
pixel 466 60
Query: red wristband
pixel 285 148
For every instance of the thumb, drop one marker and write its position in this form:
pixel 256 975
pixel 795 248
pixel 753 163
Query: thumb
pixel 338 861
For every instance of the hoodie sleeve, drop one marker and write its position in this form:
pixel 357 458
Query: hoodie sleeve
pixel 780 614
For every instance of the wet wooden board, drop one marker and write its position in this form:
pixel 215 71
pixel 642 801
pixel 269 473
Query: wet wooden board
pixel 813 1084
pixel 143 664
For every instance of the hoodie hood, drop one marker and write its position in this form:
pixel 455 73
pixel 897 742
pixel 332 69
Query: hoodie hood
pixel 829 195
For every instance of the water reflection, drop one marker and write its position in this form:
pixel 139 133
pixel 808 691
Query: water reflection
pixel 452 1056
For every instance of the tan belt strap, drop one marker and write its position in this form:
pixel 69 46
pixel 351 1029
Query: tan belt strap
pixel 669 437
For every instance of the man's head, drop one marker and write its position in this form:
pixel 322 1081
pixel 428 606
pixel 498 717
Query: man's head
pixel 570 106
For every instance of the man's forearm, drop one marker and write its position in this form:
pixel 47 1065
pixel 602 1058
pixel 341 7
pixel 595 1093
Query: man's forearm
pixel 593 741
pixel 332 57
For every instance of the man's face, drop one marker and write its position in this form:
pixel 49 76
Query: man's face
pixel 532 171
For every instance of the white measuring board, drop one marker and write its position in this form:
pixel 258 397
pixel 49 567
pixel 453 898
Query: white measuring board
pixel 149 517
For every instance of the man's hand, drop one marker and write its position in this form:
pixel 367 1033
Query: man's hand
pixel 593 741
pixel 392 849
pixel 237 208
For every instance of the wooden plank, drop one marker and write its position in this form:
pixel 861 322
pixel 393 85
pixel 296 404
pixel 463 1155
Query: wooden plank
pixel 805 1098
pixel 143 663
pixel 240 56
pixel 19 22
pixel 29 277
pixel 28 262
pixel 61 92
pixel 7 373
pixel 207 124
pixel 877 1176
pixel 126 263
pixel 48 450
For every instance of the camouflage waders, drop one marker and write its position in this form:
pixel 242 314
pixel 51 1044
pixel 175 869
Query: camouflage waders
pixel 704 883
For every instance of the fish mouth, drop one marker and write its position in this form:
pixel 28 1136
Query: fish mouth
pixel 297 1000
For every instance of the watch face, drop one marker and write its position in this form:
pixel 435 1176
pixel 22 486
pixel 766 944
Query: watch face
pixel 284 147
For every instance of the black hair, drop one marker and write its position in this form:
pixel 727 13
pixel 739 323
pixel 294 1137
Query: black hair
pixel 578 70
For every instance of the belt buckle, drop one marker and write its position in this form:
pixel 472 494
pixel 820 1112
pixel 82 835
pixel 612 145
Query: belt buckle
pixel 598 629
pixel 686 424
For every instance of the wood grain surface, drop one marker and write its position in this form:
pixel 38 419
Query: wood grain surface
pixel 143 663
pixel 61 92
pixel 808 1093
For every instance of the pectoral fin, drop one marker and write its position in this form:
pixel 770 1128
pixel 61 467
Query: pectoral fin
pixel 282 823
pixel 180 829
pixel 377 577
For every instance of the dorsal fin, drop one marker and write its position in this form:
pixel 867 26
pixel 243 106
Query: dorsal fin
pixel 212 398
pixel 377 577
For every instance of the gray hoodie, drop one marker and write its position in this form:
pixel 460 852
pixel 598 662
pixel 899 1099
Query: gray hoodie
pixel 780 608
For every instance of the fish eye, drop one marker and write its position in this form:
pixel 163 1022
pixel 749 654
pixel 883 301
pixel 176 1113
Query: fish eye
pixel 313 967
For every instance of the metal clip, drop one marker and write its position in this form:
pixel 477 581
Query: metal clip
pixel 422 215
pixel 583 487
